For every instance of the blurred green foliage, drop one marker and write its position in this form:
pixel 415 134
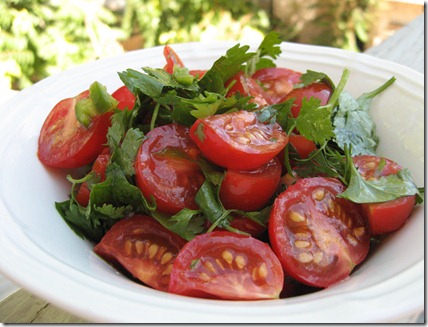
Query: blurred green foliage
pixel 41 37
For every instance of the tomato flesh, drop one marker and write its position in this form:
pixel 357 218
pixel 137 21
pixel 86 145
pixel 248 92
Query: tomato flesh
pixel 225 265
pixel 66 143
pixel 166 169
pixel 238 140
pixel 387 216
pixel 250 190
pixel 277 82
pixel 143 247
pixel 125 98
pixel 320 91
pixel 99 167
pixel 318 237
pixel 247 86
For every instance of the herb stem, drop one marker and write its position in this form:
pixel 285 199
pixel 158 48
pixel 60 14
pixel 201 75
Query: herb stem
pixel 154 116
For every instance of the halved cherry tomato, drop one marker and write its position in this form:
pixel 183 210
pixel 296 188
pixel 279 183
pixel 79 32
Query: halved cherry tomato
pixel 99 167
pixel 250 190
pixel 247 86
pixel 302 145
pixel 172 59
pixel 387 216
pixel 317 90
pixel 238 140
pixel 65 143
pixel 125 98
pixel 318 237
pixel 277 82
pixel 143 247
pixel 227 266
pixel 166 169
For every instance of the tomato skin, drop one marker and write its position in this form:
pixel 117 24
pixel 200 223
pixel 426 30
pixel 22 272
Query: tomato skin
pixel 387 216
pixel 247 86
pixel 250 190
pixel 172 59
pixel 165 168
pixel 318 237
pixel 302 145
pixel 99 167
pixel 143 247
pixel 65 143
pixel 229 266
pixel 277 82
pixel 317 90
pixel 237 140
pixel 125 98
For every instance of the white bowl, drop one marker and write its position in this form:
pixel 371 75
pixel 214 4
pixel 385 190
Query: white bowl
pixel 39 252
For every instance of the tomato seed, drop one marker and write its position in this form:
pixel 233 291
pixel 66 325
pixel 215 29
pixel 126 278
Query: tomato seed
pixel 318 257
pixel 240 261
pixel 209 266
pixel 204 277
pixel 318 194
pixel 139 246
pixel 227 256
pixel 296 217
pixel 153 249
pixel 166 258
pixel 302 244
pixel 128 247
pixel 305 257
pixel 359 231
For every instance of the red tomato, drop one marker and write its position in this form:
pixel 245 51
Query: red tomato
pixel 277 82
pixel 99 167
pixel 318 237
pixel 250 190
pixel 302 145
pixel 387 216
pixel 243 224
pixel 125 98
pixel 247 86
pixel 172 59
pixel 238 140
pixel 197 72
pixel 317 90
pixel 143 247
pixel 227 266
pixel 166 169
pixel 66 143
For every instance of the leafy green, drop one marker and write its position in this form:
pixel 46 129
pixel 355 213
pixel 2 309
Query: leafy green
pixel 267 52
pixel 314 121
pixel 353 124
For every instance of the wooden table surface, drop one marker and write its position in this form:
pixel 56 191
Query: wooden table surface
pixel 405 47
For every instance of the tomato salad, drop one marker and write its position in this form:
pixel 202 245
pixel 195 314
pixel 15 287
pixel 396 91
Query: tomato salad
pixel 245 181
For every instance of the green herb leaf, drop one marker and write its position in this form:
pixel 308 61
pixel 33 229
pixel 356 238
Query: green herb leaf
pixel 314 121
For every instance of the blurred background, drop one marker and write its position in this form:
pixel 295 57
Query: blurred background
pixel 39 38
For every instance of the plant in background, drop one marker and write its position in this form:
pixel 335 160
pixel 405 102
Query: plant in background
pixel 343 24
pixel 41 37
pixel 173 21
